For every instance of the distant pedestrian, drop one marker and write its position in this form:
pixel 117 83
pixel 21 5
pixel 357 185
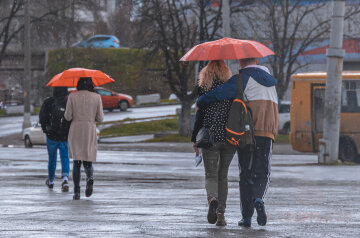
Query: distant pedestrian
pixel 56 128
pixel 259 90
pixel 84 109
pixel 217 158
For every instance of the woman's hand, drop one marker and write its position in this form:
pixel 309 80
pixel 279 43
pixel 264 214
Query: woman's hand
pixel 196 149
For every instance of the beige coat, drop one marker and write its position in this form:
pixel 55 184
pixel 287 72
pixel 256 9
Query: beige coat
pixel 83 109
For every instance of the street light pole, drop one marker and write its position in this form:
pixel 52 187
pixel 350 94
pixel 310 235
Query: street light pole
pixel 329 145
pixel 27 67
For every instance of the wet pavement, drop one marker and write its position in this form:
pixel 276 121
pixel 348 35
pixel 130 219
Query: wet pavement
pixel 161 194
pixel 117 145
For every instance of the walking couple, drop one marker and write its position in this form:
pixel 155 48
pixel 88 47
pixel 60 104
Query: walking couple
pixel 217 89
pixel 72 118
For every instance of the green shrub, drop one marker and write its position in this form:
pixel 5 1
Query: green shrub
pixel 134 70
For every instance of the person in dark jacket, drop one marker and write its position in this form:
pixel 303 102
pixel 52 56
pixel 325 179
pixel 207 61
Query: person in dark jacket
pixel 217 158
pixel 259 90
pixel 56 128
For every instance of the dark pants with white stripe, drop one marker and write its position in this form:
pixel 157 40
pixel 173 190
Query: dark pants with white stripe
pixel 255 183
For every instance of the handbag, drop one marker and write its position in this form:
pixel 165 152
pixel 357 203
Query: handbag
pixel 204 138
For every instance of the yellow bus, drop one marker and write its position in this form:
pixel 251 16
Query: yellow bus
pixel 307 113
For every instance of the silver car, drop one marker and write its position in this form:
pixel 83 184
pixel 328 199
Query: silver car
pixel 284 117
pixel 35 136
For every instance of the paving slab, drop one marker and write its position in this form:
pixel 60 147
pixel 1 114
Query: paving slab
pixel 161 194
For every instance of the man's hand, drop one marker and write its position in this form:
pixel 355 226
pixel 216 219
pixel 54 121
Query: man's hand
pixel 196 149
pixel 196 107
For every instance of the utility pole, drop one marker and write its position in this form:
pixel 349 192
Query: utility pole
pixel 225 13
pixel 329 145
pixel 27 67
pixel 202 4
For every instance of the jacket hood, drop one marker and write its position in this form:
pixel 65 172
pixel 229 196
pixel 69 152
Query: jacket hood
pixel 259 75
pixel 60 92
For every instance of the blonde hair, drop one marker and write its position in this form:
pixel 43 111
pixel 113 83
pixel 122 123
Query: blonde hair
pixel 215 69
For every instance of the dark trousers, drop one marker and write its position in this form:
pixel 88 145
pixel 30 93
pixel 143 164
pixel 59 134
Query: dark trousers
pixel 89 171
pixel 254 184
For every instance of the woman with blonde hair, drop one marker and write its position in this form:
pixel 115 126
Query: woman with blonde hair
pixel 217 158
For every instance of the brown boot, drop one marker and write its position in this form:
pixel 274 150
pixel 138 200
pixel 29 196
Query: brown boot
pixel 220 219
pixel 213 204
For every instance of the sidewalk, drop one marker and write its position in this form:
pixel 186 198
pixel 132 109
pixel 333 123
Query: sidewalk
pixel 161 194
pixel 279 148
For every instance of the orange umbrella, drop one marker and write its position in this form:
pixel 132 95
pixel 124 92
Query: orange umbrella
pixel 227 49
pixel 70 77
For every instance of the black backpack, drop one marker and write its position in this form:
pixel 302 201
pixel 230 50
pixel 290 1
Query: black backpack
pixel 240 128
pixel 58 125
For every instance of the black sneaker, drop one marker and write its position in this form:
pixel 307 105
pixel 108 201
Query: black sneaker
pixel 89 187
pixel 49 185
pixel 261 214
pixel 213 205
pixel 245 222
pixel 65 186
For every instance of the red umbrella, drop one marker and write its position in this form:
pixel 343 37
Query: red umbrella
pixel 227 49
pixel 70 77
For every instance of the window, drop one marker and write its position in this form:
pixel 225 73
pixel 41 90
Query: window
pixel 350 98
pixel 103 92
pixel 284 108
pixel 101 4
pixel 98 39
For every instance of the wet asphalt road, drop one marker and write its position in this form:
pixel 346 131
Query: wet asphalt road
pixel 161 194
pixel 13 125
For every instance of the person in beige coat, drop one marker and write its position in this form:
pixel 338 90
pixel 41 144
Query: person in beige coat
pixel 83 109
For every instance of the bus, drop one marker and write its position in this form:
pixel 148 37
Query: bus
pixel 307 113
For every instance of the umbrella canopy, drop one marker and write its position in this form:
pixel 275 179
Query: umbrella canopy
pixel 70 77
pixel 227 49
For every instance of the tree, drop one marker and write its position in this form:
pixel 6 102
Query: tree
pixel 175 27
pixel 8 22
pixel 289 27
pixel 11 21
pixel 174 33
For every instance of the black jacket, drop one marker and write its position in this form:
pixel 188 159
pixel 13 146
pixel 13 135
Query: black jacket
pixel 59 95
pixel 199 118
pixel 213 117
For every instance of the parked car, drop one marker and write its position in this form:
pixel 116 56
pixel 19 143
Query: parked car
pixel 11 103
pixel 100 41
pixel 284 117
pixel 112 100
pixel 35 136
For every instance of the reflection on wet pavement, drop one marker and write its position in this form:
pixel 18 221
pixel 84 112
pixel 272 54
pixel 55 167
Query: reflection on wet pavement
pixel 161 194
